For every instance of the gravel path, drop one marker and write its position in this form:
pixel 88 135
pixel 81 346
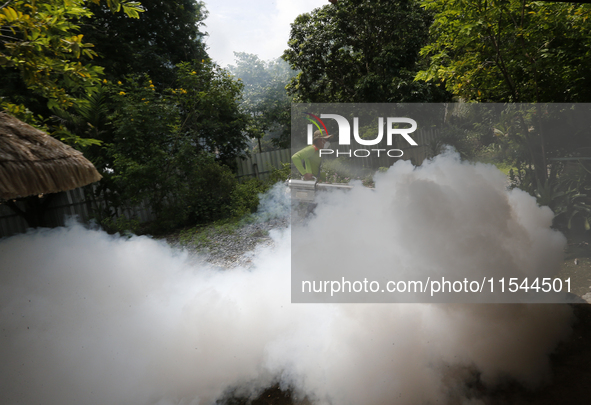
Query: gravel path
pixel 227 248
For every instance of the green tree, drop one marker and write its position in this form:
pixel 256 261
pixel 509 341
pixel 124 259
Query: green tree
pixel 519 51
pixel 360 51
pixel 167 148
pixel 265 98
pixel 510 51
pixel 44 63
pixel 169 32
pixel 41 41
pixel 154 163
pixel 208 99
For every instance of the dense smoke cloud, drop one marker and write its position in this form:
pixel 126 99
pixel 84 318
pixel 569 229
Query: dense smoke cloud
pixel 443 220
pixel 88 318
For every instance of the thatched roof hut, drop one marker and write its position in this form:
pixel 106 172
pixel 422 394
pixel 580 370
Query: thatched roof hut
pixel 32 162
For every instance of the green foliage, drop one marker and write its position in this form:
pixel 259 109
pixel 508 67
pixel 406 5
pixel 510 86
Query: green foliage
pixel 45 61
pixel 141 154
pixel 121 225
pixel 164 148
pixel 168 33
pixel 280 174
pixel 153 156
pixel 517 51
pixel 159 139
pixel 209 192
pixel 360 51
pixel 245 197
pixel 336 171
pixel 569 196
pixel 510 51
pixel 208 101
pixel 342 170
pixel 265 99
pixel 84 125
pixel 130 8
pixel 40 40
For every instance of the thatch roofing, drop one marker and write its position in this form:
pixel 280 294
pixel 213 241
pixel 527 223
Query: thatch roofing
pixel 32 162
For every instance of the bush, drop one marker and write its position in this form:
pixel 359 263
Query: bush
pixel 341 170
pixel 245 197
pixel 197 191
pixel 205 192
pixel 281 174
pixel 120 225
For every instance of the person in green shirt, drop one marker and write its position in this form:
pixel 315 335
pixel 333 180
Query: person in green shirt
pixel 307 160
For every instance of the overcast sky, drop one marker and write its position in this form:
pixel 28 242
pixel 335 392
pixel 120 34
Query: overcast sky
pixel 260 27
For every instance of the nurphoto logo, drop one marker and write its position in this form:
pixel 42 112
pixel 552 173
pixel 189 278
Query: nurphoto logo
pixel 392 129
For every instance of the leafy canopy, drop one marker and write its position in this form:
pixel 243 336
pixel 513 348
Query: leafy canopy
pixel 265 98
pixel 359 51
pixel 40 39
pixel 510 50
pixel 171 143
pixel 168 33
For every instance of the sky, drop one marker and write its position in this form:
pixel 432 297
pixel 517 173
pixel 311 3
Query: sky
pixel 260 27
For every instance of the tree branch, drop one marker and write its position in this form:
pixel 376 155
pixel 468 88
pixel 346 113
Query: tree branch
pixel 5 4
pixel 500 61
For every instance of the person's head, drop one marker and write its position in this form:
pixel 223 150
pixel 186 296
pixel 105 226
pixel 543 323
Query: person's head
pixel 320 140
